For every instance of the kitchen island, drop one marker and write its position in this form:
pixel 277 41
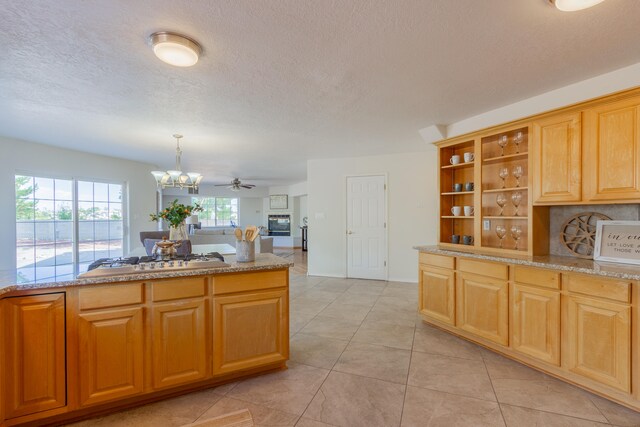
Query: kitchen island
pixel 78 348
pixel 575 319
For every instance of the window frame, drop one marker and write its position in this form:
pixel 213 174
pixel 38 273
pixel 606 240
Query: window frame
pixel 198 199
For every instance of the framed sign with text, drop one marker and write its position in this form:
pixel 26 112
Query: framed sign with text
pixel 278 201
pixel 618 241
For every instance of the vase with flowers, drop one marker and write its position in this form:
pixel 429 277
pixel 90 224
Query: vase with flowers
pixel 176 214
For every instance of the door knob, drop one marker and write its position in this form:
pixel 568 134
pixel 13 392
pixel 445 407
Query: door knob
pixel 349 232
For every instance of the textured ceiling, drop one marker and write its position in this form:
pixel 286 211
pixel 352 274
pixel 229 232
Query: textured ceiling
pixel 284 81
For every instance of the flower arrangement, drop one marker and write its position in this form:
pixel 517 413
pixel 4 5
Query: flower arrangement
pixel 176 213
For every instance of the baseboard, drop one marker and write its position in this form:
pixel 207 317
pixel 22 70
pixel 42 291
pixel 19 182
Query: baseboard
pixel 309 273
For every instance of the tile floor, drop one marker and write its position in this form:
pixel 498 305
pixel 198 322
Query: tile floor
pixel 360 356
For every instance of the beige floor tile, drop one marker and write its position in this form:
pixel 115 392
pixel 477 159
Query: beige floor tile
pixel 364 288
pixel 450 374
pixel 262 416
pixel 350 312
pixel 408 293
pixel 548 395
pixel 288 391
pixel 385 334
pixel 170 412
pixel 500 367
pixel 391 317
pixel 321 295
pixel 430 408
pixel 437 341
pixel 374 361
pixel 308 422
pixel 335 285
pixel 331 328
pixel 352 401
pixel 398 303
pixel 523 417
pixel 358 299
pixel 298 320
pixel 308 305
pixel 616 414
pixel 313 350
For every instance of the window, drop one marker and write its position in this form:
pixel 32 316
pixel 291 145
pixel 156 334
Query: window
pixel 217 211
pixel 48 217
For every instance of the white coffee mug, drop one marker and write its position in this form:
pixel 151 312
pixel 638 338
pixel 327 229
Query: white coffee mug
pixel 468 210
pixel 468 157
pixel 454 160
pixel 456 210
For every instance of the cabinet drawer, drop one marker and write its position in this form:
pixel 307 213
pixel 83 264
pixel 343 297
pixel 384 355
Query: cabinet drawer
pixel 484 268
pixel 536 276
pixel 434 260
pixel 178 288
pixel 110 296
pixel 242 282
pixel 617 290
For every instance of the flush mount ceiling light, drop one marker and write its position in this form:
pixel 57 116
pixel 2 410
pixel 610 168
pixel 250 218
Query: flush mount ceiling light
pixel 573 5
pixel 176 178
pixel 175 49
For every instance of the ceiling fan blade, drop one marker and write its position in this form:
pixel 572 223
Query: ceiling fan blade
pixel 221 185
pixel 247 186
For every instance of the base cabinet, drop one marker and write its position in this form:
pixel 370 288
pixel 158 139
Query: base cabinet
pixel 179 343
pixel 535 322
pixel 34 362
pixel 111 354
pixel 250 330
pixel 437 293
pixel 599 341
pixel 482 305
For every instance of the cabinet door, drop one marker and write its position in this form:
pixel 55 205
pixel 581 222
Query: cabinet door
pixel 34 371
pixel 613 151
pixel 250 330
pixel 436 294
pixel 111 354
pixel 179 343
pixel 557 161
pixel 535 322
pixel 599 341
pixel 482 306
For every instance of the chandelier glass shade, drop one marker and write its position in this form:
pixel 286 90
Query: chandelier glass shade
pixel 175 178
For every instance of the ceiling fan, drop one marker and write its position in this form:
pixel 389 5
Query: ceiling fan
pixel 236 185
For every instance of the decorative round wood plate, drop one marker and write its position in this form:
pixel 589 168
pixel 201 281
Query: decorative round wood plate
pixel 578 234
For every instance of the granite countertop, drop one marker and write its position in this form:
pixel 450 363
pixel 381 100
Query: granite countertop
pixel 266 261
pixel 555 262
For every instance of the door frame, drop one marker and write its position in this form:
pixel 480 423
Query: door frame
pixel 386 220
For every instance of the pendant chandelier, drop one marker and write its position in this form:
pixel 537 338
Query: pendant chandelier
pixel 176 178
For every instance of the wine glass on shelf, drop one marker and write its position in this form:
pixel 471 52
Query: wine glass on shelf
pixel 517 173
pixel 517 140
pixel 502 142
pixel 504 173
pixel 501 232
pixel 516 234
pixel 516 198
pixel 501 200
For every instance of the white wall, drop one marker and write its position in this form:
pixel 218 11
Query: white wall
pixel 26 157
pixel 412 201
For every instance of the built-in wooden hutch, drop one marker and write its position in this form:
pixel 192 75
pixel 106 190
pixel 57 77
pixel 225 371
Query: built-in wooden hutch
pixel 571 318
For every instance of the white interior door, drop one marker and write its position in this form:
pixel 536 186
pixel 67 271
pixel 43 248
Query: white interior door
pixel 366 227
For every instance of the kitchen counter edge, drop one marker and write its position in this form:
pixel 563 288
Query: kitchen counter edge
pixel 555 262
pixel 262 262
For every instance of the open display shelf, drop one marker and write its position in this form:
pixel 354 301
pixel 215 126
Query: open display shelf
pixel 485 173
pixel 456 174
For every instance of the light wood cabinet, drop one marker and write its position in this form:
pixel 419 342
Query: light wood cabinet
pixel 250 330
pixel 437 293
pixel 557 159
pixel 111 354
pixel 482 306
pixel 34 361
pixel 179 343
pixel 535 322
pixel 612 151
pixel 598 341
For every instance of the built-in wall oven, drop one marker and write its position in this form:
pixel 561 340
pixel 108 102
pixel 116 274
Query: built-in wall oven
pixel 279 225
